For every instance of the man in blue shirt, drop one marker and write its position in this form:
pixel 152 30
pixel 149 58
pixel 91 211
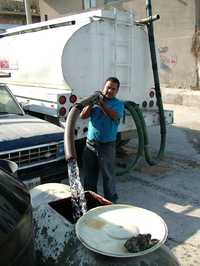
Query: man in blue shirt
pixel 100 150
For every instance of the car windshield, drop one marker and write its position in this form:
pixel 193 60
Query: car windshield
pixel 8 105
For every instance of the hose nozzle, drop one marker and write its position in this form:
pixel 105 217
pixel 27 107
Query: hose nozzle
pixel 90 100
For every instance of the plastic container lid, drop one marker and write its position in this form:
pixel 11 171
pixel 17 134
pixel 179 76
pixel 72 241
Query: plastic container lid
pixel 105 229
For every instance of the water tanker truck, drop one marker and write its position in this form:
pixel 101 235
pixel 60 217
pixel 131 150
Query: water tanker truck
pixel 54 64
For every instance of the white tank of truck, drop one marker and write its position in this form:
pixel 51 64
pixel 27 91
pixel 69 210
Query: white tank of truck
pixel 72 56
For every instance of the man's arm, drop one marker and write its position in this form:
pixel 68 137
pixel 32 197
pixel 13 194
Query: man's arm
pixel 85 113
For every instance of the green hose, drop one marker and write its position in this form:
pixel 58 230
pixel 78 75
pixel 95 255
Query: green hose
pixel 129 106
pixel 147 154
pixel 143 139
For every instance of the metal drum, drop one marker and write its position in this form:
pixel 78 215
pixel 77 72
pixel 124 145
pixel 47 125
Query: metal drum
pixel 16 239
pixel 98 237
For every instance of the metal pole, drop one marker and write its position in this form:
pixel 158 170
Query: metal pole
pixel 197 14
pixel 28 11
pixel 197 33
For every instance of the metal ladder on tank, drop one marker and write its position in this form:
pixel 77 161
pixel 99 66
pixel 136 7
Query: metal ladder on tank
pixel 127 43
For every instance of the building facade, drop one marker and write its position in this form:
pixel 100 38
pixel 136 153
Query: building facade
pixel 13 12
pixel 174 32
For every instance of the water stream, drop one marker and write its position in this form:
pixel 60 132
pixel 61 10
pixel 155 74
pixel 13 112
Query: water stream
pixel 79 205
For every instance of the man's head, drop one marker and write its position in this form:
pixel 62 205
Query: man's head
pixel 111 87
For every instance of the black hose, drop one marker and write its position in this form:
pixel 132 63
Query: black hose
pixel 158 94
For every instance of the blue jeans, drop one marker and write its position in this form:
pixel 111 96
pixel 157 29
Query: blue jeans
pixel 100 157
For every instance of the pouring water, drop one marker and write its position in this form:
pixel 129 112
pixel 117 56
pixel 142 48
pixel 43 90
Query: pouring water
pixel 77 193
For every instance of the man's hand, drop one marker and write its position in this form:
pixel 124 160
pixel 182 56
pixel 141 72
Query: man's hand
pixel 106 110
pixel 85 113
pixel 100 103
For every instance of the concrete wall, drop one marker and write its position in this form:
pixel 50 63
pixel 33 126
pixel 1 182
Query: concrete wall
pixel 54 9
pixel 173 33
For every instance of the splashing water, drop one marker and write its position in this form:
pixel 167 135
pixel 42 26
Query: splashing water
pixel 77 193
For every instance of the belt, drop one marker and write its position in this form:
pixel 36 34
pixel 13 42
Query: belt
pixel 95 142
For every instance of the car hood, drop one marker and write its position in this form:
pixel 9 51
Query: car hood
pixel 18 131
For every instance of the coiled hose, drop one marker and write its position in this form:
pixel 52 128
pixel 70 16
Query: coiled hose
pixel 130 106
pixel 147 153
pixel 143 139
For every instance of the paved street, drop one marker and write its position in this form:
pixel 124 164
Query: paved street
pixel 171 189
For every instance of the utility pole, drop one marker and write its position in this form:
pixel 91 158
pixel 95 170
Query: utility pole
pixel 28 11
pixel 197 15
pixel 196 42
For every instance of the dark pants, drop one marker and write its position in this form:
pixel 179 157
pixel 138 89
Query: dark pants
pixel 100 157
